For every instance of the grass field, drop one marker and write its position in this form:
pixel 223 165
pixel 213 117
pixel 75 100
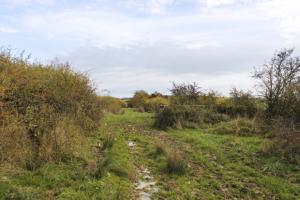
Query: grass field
pixel 217 167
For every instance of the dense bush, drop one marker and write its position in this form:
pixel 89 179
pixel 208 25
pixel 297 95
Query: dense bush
pixel 185 94
pixel 154 104
pixel 50 107
pixel 286 140
pixel 138 101
pixel 14 143
pixel 144 102
pixel 189 108
pixel 239 103
pixel 242 103
pixel 111 104
pixel 187 117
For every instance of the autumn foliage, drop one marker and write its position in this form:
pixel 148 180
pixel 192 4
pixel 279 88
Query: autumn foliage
pixel 46 111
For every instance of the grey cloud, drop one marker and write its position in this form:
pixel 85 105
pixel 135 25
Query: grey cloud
pixel 172 59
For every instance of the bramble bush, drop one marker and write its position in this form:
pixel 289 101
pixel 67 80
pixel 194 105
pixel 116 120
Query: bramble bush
pixel 47 109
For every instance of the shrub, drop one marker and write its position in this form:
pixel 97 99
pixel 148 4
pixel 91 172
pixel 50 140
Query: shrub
pixel 186 116
pixel 189 108
pixel 63 142
pixel 111 104
pixel 242 104
pixel 14 143
pixel 239 104
pixel 138 101
pixel 165 119
pixel 286 141
pixel 54 106
pixel 154 104
pixel 175 163
pixel 185 94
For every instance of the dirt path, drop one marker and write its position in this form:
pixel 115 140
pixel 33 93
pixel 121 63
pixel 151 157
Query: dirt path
pixel 146 185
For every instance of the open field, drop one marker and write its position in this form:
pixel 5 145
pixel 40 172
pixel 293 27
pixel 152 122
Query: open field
pixel 216 167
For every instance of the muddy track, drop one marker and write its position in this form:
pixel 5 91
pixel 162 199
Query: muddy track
pixel 146 184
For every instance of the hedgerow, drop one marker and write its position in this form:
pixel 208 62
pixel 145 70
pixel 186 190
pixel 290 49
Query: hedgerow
pixel 46 109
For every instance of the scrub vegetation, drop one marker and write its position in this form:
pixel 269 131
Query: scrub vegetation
pixel 60 140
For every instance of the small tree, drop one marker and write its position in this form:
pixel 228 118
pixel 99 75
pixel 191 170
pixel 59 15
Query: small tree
pixel 276 79
pixel 280 86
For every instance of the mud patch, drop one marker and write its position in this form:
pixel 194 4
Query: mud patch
pixel 146 186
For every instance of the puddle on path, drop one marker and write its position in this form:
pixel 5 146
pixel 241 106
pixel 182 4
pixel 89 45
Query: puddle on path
pixel 146 186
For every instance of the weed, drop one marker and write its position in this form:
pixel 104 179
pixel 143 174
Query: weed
pixel 175 163
pixel 108 141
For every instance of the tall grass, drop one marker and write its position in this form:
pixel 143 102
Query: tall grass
pixel 175 163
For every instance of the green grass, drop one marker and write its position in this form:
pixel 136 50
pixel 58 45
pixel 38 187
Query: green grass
pixel 218 167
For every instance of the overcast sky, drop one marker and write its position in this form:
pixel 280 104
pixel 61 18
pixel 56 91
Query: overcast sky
pixel 127 45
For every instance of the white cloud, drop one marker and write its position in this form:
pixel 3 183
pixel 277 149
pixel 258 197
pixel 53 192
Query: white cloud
pixel 286 16
pixel 8 30
pixel 110 28
pixel 153 6
pixel 221 36
pixel 214 3
pixel 27 2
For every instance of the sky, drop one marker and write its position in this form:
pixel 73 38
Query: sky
pixel 128 45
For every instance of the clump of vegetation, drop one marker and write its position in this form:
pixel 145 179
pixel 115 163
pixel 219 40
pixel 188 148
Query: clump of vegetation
pixel 285 143
pixel 108 141
pixel 153 104
pixel 280 87
pixel 138 101
pixel 175 163
pixel 189 108
pixel 95 167
pixel 49 109
pixel 238 126
pixel 238 104
pixel 111 104
pixel 143 102
pixel 14 144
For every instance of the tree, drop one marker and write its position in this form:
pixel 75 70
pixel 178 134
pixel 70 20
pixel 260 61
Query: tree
pixel 277 78
pixel 185 94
